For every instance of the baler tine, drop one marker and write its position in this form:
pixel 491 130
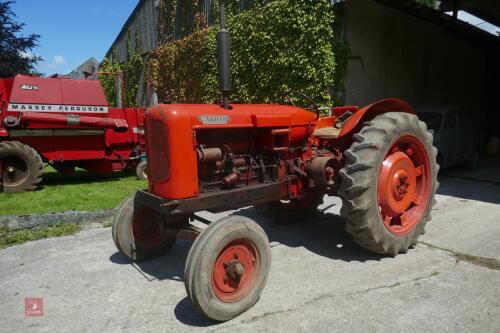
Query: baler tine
pixel 282 159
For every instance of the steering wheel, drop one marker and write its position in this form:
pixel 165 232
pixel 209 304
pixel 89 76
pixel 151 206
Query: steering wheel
pixel 313 107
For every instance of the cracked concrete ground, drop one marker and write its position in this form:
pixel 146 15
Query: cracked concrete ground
pixel 320 281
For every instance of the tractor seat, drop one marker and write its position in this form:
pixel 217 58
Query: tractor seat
pixel 333 131
pixel 327 133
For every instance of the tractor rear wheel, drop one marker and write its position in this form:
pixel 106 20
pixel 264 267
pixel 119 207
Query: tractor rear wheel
pixel 22 167
pixel 388 183
pixel 227 268
pixel 139 233
pixel 291 211
pixel 141 170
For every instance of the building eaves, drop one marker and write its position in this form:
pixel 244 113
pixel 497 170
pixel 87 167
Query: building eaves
pixel 126 26
pixel 487 10
pixel 453 27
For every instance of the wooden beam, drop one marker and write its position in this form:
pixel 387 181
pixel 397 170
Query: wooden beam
pixel 449 5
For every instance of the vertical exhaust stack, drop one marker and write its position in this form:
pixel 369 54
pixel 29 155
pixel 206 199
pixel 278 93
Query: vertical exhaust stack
pixel 224 60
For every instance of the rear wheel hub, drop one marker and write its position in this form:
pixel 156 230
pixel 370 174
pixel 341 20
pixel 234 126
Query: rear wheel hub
pixel 397 183
pixel 404 185
pixel 16 170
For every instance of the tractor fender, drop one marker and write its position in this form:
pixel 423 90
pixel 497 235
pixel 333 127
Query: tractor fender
pixel 354 123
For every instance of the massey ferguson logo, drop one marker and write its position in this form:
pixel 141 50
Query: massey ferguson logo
pixel 29 87
pixel 214 120
pixel 21 107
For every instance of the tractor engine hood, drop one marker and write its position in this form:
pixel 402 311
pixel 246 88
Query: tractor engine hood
pixel 240 116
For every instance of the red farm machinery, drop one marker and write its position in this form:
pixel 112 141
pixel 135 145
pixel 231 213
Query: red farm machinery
pixel 283 160
pixel 66 123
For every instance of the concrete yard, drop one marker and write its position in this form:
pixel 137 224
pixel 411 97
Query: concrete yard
pixel 320 281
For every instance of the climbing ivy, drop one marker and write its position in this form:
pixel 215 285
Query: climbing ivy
pixel 166 21
pixel 430 3
pixel 109 68
pixel 185 70
pixel 132 69
pixel 277 45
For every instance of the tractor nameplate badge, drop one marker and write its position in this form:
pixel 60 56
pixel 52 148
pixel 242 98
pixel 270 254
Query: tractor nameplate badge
pixel 214 119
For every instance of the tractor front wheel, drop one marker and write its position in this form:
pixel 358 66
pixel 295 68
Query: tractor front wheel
pixel 140 233
pixel 22 167
pixel 227 268
pixel 388 183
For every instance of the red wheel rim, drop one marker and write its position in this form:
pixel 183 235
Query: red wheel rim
pixel 235 271
pixel 147 229
pixel 404 185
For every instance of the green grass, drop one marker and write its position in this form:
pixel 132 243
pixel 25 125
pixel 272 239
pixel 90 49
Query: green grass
pixel 79 191
pixel 11 238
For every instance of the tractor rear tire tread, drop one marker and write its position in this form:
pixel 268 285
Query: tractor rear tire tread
pixel 358 182
pixel 32 159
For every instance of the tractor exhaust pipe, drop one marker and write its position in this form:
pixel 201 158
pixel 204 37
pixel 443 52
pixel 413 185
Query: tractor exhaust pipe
pixel 224 60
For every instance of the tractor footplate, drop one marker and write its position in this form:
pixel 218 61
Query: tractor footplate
pixel 217 200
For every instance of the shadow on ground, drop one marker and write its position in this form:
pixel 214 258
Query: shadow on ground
pixel 186 313
pixel 322 234
pixel 481 184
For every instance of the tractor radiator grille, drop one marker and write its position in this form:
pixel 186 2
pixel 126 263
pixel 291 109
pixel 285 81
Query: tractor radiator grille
pixel 158 150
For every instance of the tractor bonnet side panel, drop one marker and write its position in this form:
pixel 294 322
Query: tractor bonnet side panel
pixel 172 161
pixel 175 132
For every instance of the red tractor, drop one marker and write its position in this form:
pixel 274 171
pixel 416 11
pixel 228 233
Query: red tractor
pixel 281 159
pixel 66 123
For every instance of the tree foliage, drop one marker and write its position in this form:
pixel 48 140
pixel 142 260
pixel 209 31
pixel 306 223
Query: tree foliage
pixel 276 46
pixel 15 56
